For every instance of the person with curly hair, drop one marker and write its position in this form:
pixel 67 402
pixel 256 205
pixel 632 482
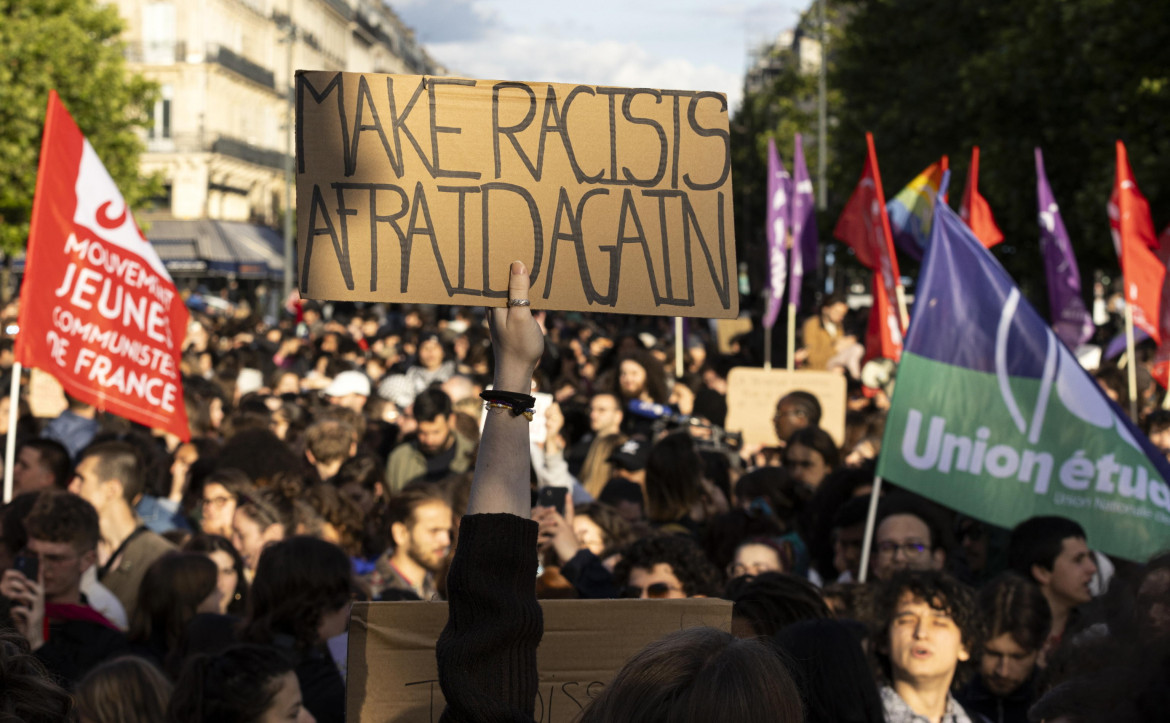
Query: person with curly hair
pixel 242 684
pixel 301 598
pixel 666 566
pixel 926 627
pixel 29 693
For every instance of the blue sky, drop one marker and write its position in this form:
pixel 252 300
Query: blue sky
pixel 679 45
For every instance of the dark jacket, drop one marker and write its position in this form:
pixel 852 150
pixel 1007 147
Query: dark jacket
pixel 1013 708
pixel 79 639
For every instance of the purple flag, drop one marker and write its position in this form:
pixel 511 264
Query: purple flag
pixel 1070 319
pixel 779 190
pixel 804 227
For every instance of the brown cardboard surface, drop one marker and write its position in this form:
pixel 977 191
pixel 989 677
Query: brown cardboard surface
pixel 46 396
pixel 728 329
pixel 392 674
pixel 423 189
pixel 752 394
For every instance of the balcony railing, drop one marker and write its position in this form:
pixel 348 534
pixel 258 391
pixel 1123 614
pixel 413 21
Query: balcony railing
pixel 239 64
pixel 215 143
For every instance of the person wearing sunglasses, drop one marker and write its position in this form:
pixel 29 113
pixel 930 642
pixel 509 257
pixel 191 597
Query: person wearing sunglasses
pixel 666 567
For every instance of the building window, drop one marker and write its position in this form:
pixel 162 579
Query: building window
pixel 158 33
pixel 161 126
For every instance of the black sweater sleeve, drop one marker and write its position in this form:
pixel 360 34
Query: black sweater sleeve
pixel 590 577
pixel 487 653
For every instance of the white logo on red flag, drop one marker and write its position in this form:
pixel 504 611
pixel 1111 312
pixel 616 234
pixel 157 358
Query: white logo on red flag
pixel 98 309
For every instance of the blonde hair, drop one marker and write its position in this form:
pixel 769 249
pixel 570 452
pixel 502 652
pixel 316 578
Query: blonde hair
pixel 596 471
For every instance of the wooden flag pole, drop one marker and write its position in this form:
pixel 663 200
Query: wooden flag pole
pixel 1131 361
pixel 903 314
pixel 870 520
pixel 10 441
pixel 767 330
pixel 791 337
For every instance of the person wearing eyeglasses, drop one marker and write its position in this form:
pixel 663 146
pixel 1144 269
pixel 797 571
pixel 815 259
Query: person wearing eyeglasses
pixel 907 537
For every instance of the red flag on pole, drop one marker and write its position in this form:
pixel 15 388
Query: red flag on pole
pixel 865 226
pixel 1133 235
pixel 97 308
pixel 883 336
pixel 974 209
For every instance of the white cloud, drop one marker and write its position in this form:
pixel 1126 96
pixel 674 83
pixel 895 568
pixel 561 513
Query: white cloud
pixel 514 56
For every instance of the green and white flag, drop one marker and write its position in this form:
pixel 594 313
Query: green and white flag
pixel 993 416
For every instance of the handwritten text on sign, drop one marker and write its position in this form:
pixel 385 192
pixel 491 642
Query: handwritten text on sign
pixel 423 189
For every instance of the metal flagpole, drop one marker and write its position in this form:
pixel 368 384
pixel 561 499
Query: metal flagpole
pixel 10 441
pixel 678 347
pixel 870 519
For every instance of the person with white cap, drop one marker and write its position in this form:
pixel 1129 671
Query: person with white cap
pixel 349 389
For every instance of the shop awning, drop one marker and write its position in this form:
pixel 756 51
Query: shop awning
pixel 205 247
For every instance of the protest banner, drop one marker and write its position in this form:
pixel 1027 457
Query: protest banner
pixel 752 394
pixel 392 675
pixel 422 189
pixel 993 416
pixel 726 331
pixel 97 308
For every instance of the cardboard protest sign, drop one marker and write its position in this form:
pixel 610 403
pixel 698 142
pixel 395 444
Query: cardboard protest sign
pixel 423 189
pixel 752 394
pixel 392 674
pixel 727 329
pixel 98 309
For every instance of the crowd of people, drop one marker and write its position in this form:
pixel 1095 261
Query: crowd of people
pixel 410 454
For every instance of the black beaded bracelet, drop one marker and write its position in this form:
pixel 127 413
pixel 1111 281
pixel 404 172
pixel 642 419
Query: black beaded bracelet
pixel 512 399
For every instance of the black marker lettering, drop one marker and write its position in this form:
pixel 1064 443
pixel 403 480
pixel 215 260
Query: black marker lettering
pixel 461 275
pixel 365 98
pixel 511 131
pixel 537 234
pixel 436 129
pixel 561 127
pixel 398 126
pixel 707 133
pixel 690 219
pixel 629 210
pixel 575 237
pixel 626 102
pixel 337 84
pixel 342 253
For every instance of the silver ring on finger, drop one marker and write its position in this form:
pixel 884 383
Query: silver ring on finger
pixel 519 302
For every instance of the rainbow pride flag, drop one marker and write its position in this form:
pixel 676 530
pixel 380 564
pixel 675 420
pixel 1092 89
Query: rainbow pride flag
pixel 912 210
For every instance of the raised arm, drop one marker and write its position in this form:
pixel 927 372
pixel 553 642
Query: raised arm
pixel 501 468
pixel 487 652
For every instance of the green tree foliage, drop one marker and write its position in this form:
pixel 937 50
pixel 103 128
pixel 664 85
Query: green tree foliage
pixel 784 106
pixel 72 46
pixel 1070 76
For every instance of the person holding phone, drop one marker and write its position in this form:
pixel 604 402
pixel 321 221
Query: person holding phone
pixel 45 584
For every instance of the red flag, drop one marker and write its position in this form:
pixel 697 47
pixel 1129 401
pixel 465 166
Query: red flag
pixel 883 336
pixel 974 209
pixel 97 308
pixel 1133 235
pixel 865 226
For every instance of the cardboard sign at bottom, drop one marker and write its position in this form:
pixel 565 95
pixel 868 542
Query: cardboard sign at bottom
pixel 393 676
pixel 752 394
